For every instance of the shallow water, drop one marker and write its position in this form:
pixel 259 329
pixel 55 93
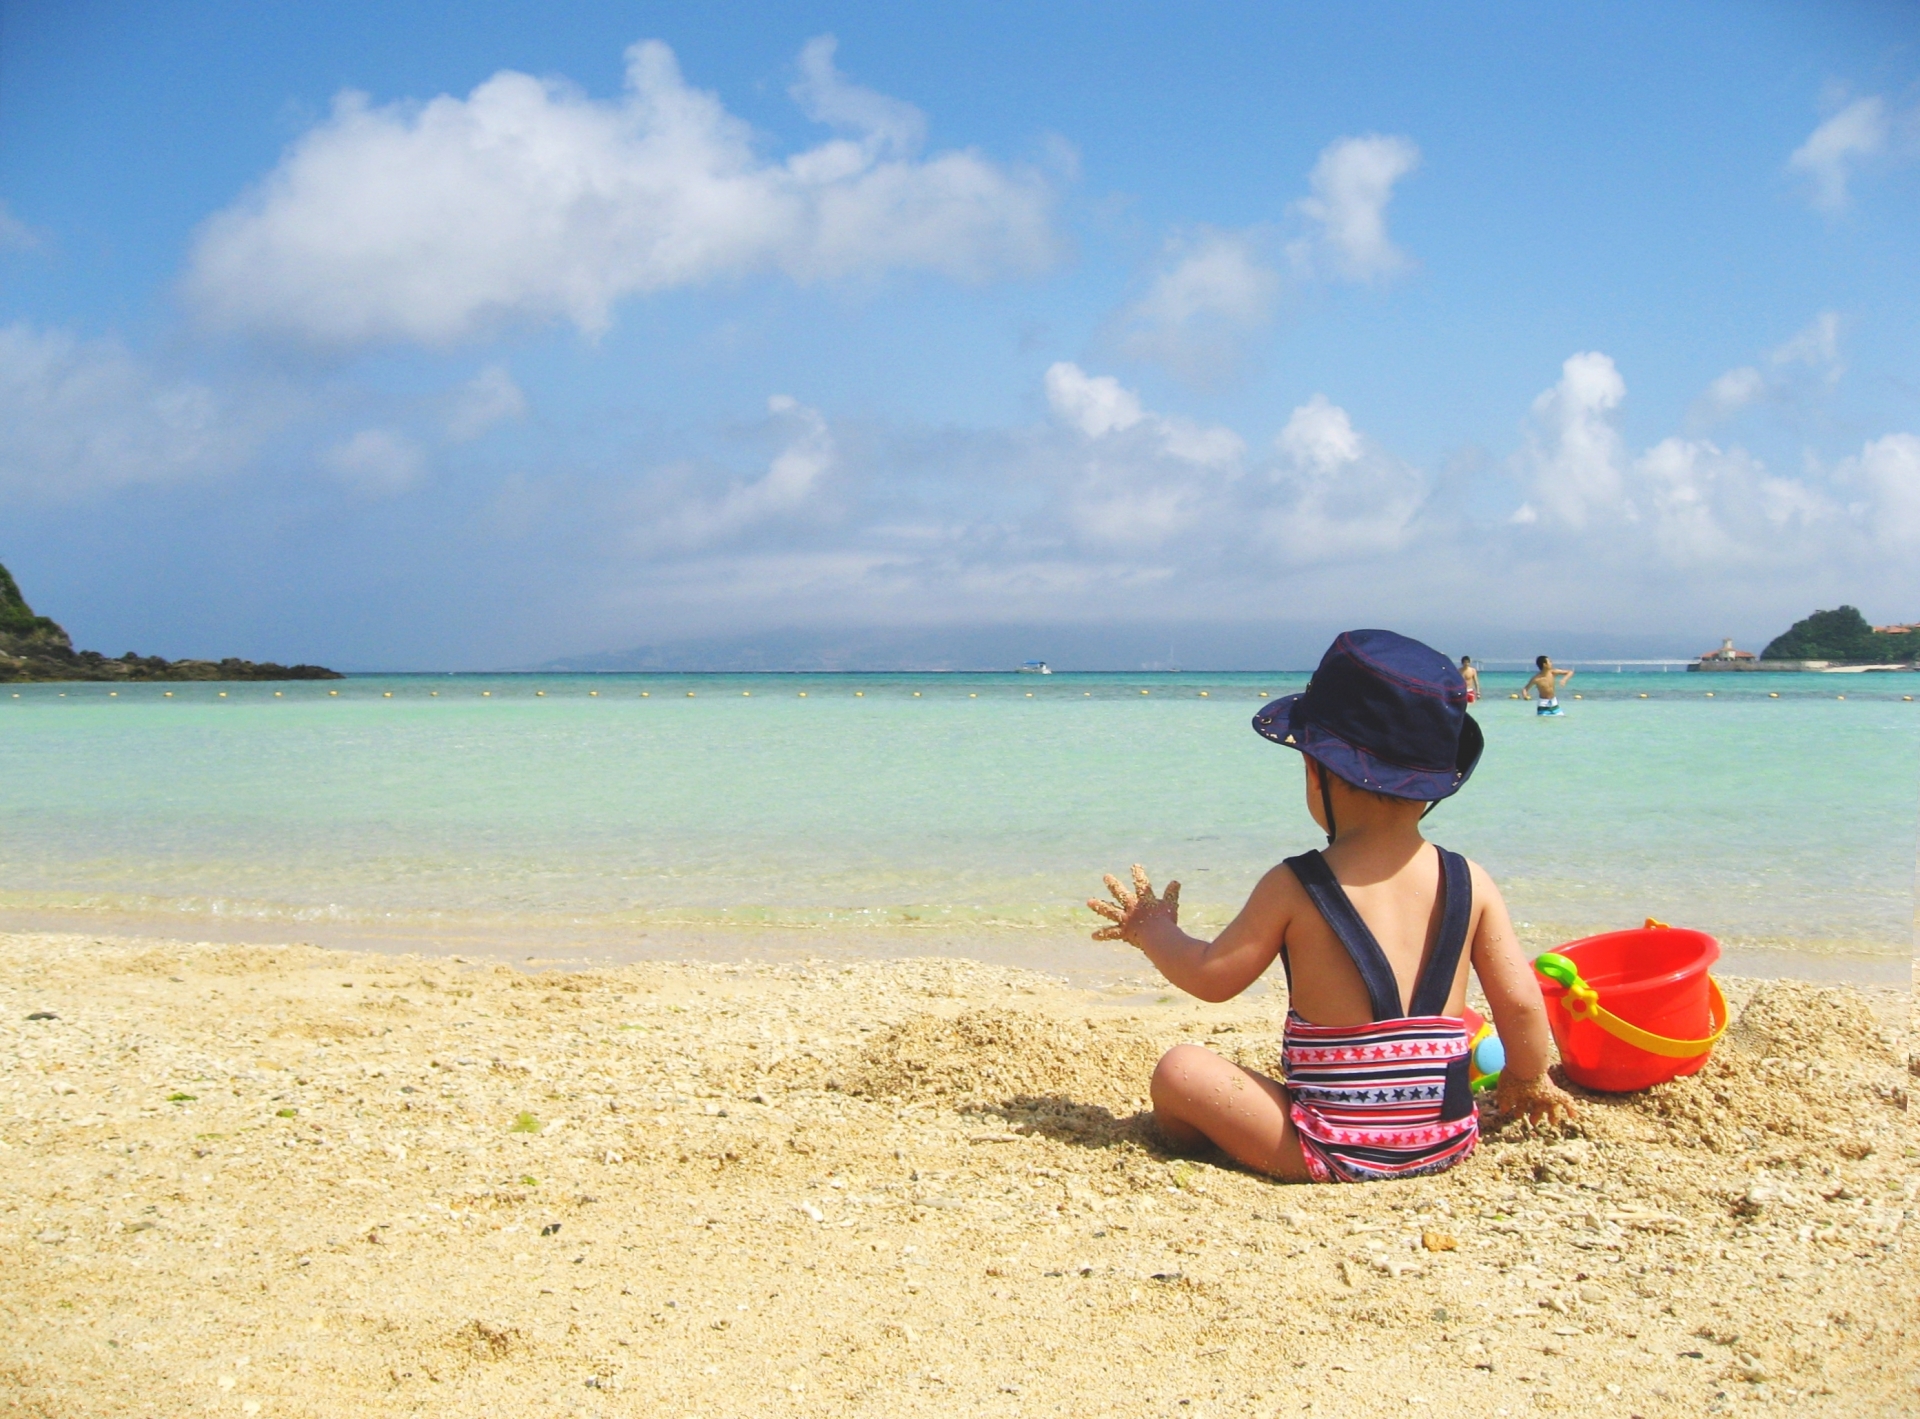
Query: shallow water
pixel 841 813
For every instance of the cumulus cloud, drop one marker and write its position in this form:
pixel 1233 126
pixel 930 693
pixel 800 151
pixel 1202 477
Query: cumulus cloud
pixel 485 400
pixel 1834 150
pixel 788 487
pixel 1137 478
pixel 528 200
pixel 1885 479
pixel 1351 186
pixel 1573 457
pixel 1213 291
pixel 378 463
pixel 1813 355
pixel 86 417
pixel 1342 495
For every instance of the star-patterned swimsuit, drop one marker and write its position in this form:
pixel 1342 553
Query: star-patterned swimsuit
pixel 1388 1099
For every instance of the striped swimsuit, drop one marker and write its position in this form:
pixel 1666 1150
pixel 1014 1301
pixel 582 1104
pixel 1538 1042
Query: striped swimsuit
pixel 1388 1099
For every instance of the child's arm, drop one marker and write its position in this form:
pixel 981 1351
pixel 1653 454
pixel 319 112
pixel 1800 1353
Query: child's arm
pixel 1519 1014
pixel 1212 970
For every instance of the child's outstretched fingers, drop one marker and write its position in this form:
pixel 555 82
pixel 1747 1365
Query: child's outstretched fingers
pixel 1134 906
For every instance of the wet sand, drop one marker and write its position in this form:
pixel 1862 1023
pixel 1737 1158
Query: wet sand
pixel 293 1181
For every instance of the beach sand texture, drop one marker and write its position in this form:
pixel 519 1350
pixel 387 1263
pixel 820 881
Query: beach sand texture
pixel 290 1181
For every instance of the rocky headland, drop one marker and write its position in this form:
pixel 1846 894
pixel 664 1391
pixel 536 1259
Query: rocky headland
pixel 36 648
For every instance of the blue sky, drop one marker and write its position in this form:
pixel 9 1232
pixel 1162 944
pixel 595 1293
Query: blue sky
pixel 425 336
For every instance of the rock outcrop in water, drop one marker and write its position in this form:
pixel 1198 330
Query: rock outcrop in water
pixel 36 648
pixel 1843 636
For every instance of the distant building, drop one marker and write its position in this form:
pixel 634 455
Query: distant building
pixel 1727 652
pixel 1896 630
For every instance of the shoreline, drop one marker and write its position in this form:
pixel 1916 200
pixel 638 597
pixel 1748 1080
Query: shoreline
pixel 287 1180
pixel 1074 958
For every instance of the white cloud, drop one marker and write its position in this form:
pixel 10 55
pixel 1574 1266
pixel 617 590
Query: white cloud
pixel 1572 462
pixel 528 200
pixel 1351 185
pixel 377 463
pixel 1097 405
pixel 788 486
pixel 1214 291
pixel 883 125
pixel 85 416
pixel 16 235
pixel 1343 496
pixel 1833 150
pixel 1813 353
pixel 484 401
pixel 1887 473
pixel 1136 477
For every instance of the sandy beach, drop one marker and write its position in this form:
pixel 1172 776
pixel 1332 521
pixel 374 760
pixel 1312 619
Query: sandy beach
pixel 290 1181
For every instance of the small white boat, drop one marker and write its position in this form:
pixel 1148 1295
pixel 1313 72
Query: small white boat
pixel 1035 667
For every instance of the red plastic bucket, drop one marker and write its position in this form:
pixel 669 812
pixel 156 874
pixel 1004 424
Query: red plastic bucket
pixel 1652 977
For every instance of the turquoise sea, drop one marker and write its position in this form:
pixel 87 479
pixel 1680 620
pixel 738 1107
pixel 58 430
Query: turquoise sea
pixel 661 815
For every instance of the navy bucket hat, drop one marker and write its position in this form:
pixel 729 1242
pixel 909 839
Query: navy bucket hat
pixel 1386 714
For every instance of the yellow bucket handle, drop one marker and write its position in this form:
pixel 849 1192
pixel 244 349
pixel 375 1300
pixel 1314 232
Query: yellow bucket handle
pixel 1582 1002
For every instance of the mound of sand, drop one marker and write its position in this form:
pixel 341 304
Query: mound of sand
pixel 1005 1057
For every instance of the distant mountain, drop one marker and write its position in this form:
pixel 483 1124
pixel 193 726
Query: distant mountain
pixel 1844 635
pixel 1191 646
pixel 36 648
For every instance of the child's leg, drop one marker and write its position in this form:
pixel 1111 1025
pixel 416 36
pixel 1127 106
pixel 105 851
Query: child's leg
pixel 1199 1096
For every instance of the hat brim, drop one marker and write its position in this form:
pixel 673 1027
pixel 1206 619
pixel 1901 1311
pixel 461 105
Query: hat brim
pixel 1281 722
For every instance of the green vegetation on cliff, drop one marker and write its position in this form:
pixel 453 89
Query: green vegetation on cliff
pixel 36 648
pixel 1843 635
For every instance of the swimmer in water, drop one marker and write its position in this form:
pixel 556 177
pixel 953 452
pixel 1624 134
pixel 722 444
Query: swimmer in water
pixel 1471 676
pixel 1549 682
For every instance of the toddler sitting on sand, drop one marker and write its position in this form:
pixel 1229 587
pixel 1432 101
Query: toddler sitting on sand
pixel 1371 1087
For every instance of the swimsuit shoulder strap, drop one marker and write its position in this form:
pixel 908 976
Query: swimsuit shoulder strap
pixel 1456 912
pixel 1383 991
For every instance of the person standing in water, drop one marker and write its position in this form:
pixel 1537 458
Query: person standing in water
pixel 1471 676
pixel 1548 682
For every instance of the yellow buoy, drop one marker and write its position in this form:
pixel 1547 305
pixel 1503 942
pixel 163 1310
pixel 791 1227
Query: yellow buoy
pixel 115 694
pixel 387 694
pixel 1579 697
pixel 1515 697
pixel 859 694
pixel 1709 694
pixel 434 693
pixel 594 694
pixel 1839 697
pixel 1904 697
pixel 541 693
pixel 486 694
pixel 167 693
pixel 1204 695
pixel 334 693
pixel 689 694
pixel 974 696
pixel 1775 694
pixel 1029 694
pixel 277 695
pixel 1143 692
pixel 746 694
pixel 1643 694
pixel 916 694
pixel 803 694
pixel 646 694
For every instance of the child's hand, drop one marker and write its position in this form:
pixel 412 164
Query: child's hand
pixel 1136 907
pixel 1536 1100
